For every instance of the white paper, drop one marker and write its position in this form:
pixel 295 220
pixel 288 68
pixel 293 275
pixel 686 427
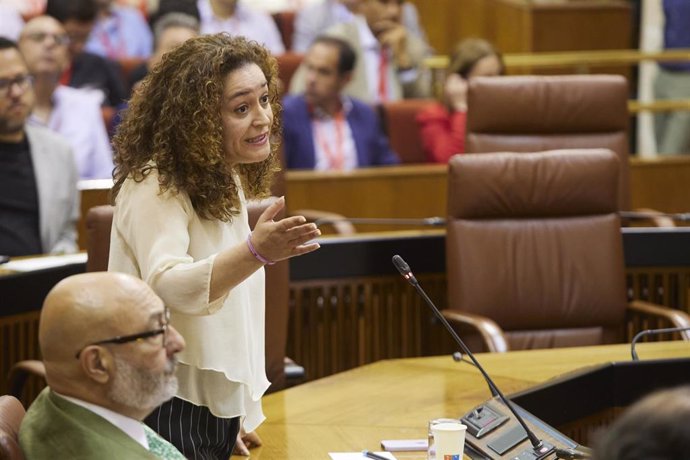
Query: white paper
pixel 40 263
pixel 405 445
pixel 358 455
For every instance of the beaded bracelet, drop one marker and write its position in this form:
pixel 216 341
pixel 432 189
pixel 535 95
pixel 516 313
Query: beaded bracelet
pixel 255 253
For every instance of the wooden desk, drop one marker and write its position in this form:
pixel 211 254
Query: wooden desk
pixel 394 399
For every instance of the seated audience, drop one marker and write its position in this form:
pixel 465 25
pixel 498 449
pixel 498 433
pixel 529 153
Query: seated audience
pixel 86 70
pixel 442 125
pixel 109 353
pixel 654 428
pixel 11 22
pixel 313 20
pixel 120 32
pixel 188 7
pixel 322 128
pixel 390 58
pixel 39 202
pixel 169 31
pixel 235 18
pixel 73 113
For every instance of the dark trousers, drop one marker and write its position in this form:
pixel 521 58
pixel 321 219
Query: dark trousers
pixel 194 430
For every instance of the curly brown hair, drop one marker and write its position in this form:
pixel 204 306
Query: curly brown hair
pixel 173 124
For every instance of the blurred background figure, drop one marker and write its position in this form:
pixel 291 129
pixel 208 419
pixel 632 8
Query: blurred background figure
pixel 313 20
pixel 73 113
pixel 39 203
pixel 86 70
pixel 655 428
pixel 442 125
pixel 120 32
pixel 169 31
pixel 236 18
pixel 324 129
pixel 390 57
pixel 11 22
pixel 673 80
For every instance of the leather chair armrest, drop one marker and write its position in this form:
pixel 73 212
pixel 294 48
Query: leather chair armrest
pixel 20 372
pixel 676 318
pixel 491 333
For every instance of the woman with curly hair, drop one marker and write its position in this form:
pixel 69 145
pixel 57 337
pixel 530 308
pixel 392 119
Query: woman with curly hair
pixel 194 144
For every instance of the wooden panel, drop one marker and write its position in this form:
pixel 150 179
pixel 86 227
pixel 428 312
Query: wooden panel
pixel 419 191
pixel 442 21
pixel 18 341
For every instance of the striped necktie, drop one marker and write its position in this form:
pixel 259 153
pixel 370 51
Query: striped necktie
pixel 160 447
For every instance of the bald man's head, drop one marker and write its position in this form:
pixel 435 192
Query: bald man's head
pixel 102 332
pixel 44 44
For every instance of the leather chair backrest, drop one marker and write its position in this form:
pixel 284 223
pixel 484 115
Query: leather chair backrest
pixel 400 124
pixel 537 113
pixel 288 63
pixel 99 221
pixel 285 21
pixel 98 224
pixel 533 242
pixel 11 415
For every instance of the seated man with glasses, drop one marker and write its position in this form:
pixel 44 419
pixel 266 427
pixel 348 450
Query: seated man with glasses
pixel 39 202
pixel 109 354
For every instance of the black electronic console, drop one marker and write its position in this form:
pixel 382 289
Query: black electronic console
pixel 524 426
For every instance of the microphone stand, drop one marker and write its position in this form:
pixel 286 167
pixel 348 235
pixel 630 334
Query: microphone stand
pixel 427 221
pixel 646 332
pixel 540 449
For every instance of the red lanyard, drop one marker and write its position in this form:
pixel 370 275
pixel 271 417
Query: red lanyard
pixel 383 76
pixel 336 159
pixel 110 50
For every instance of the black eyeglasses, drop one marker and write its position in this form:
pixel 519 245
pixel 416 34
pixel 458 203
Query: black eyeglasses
pixel 163 331
pixel 22 81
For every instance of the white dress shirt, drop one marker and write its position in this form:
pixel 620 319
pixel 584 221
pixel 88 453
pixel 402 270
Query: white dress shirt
pixel 325 131
pixel 77 116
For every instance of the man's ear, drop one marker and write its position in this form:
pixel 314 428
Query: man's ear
pixel 97 363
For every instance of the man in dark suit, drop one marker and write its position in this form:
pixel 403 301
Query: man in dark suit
pixel 322 128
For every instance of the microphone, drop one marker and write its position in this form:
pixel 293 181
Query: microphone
pixel 646 332
pixel 427 221
pixel 540 449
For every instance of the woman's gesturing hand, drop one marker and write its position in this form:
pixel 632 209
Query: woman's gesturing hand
pixel 285 238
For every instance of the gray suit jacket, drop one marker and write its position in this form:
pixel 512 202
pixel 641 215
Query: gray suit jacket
pixel 56 181
pixel 358 87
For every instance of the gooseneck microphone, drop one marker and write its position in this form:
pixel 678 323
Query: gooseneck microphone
pixel 540 449
pixel 647 332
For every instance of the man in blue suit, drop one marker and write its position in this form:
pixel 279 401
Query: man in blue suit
pixel 324 129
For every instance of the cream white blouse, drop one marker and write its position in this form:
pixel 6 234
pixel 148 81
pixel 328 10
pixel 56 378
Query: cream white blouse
pixel 159 238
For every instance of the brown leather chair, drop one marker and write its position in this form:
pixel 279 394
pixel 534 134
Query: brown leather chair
pixel 399 122
pixel 288 63
pixel 534 251
pixel 536 113
pixel 285 20
pixel 11 415
pixel 98 224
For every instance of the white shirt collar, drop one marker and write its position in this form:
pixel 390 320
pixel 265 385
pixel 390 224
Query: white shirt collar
pixel 345 102
pixel 133 428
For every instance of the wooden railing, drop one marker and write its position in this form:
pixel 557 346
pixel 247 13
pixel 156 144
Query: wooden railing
pixel 583 62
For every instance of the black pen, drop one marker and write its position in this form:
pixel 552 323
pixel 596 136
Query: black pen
pixel 369 454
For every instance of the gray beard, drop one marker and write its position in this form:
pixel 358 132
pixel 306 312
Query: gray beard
pixel 134 387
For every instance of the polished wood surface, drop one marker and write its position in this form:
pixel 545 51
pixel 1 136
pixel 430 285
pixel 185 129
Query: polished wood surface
pixel 394 399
